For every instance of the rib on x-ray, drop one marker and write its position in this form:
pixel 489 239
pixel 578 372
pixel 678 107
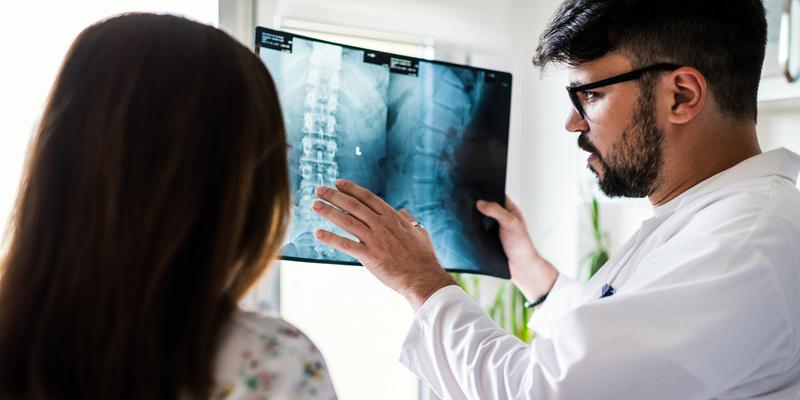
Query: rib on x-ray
pixel 426 136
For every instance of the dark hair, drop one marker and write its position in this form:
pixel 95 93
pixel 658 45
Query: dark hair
pixel 724 40
pixel 155 194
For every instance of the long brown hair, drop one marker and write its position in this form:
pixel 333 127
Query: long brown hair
pixel 155 195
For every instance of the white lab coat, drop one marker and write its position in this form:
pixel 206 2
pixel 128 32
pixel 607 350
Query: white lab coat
pixel 707 306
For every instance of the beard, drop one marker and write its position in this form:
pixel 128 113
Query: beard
pixel 632 165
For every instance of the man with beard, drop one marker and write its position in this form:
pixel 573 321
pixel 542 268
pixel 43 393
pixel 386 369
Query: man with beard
pixel 702 302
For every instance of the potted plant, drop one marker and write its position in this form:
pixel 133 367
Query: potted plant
pixel 507 305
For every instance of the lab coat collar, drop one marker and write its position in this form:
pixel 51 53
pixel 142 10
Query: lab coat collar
pixel 780 162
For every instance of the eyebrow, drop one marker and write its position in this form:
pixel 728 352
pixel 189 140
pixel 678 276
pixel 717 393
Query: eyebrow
pixel 576 83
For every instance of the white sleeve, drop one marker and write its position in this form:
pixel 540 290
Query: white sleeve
pixel 452 342
pixel 690 334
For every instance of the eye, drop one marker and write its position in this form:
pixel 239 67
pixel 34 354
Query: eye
pixel 591 95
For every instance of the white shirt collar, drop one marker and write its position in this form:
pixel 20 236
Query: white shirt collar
pixel 780 162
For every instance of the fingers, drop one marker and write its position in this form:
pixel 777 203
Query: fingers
pixel 366 197
pixel 343 244
pixel 496 211
pixel 341 219
pixel 407 216
pixel 347 203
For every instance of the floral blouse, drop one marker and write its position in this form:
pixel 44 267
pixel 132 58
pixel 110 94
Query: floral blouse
pixel 266 358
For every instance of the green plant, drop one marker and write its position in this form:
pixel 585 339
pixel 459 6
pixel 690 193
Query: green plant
pixel 506 306
pixel 598 256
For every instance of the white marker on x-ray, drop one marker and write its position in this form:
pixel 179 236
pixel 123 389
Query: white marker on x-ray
pixel 358 150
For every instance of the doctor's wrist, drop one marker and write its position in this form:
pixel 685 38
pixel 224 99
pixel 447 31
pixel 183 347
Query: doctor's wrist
pixel 536 280
pixel 418 291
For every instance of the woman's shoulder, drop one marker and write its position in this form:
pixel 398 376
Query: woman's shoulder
pixel 264 356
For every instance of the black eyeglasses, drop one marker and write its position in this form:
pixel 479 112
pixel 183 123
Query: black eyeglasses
pixel 628 76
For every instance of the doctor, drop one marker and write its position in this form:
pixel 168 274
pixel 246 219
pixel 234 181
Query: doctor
pixel 703 302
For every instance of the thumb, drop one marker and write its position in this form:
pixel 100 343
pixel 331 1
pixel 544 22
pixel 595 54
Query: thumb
pixel 496 211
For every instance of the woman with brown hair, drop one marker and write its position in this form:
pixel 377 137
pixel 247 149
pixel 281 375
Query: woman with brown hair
pixel 155 196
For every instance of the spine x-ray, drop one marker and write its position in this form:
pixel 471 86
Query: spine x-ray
pixel 426 136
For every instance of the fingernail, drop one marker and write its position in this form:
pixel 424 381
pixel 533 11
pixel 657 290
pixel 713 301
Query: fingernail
pixel 340 182
pixel 319 234
pixel 481 203
pixel 321 190
pixel 316 205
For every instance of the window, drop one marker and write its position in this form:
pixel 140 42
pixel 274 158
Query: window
pixel 407 45
pixel 35 37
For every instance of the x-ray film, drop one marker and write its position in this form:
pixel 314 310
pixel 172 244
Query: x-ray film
pixel 427 136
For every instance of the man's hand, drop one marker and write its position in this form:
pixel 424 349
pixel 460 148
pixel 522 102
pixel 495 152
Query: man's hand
pixel 398 253
pixel 532 274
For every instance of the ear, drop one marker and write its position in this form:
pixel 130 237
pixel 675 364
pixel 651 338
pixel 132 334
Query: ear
pixel 688 92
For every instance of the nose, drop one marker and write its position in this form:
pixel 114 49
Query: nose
pixel 575 123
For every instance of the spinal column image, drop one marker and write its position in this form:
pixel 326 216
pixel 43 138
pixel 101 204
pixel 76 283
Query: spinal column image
pixel 431 138
pixel 444 157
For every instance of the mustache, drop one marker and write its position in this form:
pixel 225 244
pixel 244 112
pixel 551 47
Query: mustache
pixel 586 145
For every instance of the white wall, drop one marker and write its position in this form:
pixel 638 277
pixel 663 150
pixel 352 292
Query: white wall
pixel 357 323
pixel 543 175
pixel 779 125
pixel 474 24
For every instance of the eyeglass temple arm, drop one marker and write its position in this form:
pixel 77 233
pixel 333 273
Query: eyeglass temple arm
pixel 624 77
